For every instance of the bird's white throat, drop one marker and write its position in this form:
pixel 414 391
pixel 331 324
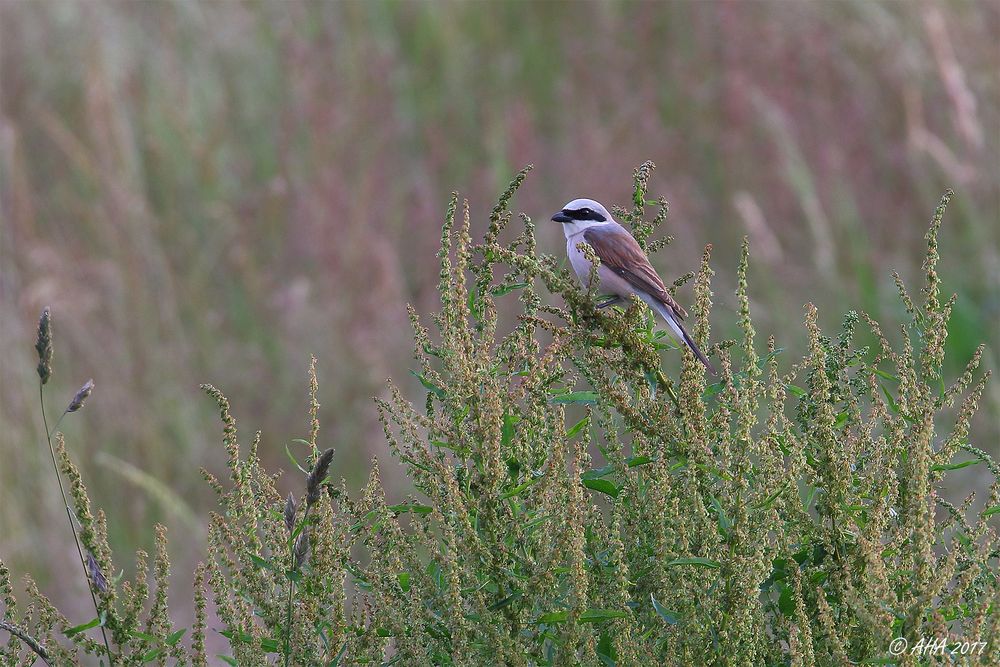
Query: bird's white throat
pixel 576 227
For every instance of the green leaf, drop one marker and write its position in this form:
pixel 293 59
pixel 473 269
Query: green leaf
pixel 577 427
pixel 506 289
pixel 145 637
pixel 955 466
pixel 434 572
pixel 725 523
pixel 807 495
pixel 670 617
pixel 606 650
pixel 507 433
pixel 596 473
pixel 713 389
pixel 500 604
pixel 461 451
pixel 263 564
pixel 767 502
pixel 598 615
pixel 771 355
pixel 77 629
pixel 174 637
pixel 534 523
pixel 786 603
pixel 553 617
pixel 990 511
pixel 228 660
pixel 428 385
pixel 237 636
pixel 883 374
pixel 404 581
pixel 702 562
pixel 152 654
pixel 291 457
pixel 517 489
pixel 893 406
pixel 271 645
pixel 416 508
pixel 602 485
pixel 339 656
pixel 797 391
pixel 582 397
pixel 637 461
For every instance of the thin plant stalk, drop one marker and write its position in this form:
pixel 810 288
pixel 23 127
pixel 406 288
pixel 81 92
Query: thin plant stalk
pixel 69 514
pixel 314 484
pixel 291 583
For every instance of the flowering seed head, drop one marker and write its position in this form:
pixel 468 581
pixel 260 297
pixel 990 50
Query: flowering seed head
pixel 44 345
pixel 290 512
pixel 97 577
pixel 81 396
pixel 316 477
pixel 302 548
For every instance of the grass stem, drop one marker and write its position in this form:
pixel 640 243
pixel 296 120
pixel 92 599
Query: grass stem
pixel 293 567
pixel 69 514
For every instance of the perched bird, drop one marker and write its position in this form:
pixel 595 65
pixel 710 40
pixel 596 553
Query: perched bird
pixel 624 269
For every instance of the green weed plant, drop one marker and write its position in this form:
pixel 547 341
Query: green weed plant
pixel 576 504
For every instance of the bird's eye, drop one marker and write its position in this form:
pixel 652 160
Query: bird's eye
pixel 585 212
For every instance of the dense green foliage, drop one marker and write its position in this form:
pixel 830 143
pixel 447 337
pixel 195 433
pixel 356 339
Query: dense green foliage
pixel 577 505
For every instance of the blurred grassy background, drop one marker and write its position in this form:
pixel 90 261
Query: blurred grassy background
pixel 210 192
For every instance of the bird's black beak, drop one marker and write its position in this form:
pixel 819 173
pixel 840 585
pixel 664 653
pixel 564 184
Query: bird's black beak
pixel 561 217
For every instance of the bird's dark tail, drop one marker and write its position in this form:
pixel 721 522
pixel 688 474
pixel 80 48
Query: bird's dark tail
pixel 681 334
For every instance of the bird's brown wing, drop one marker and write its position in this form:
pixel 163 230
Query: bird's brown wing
pixel 621 253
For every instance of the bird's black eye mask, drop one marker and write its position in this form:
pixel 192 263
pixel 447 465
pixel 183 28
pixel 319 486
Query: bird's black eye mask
pixel 584 214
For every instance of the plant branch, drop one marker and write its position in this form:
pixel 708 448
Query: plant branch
pixel 32 643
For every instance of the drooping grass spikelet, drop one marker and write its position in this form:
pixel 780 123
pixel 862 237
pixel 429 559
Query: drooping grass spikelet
pixel 289 513
pixel 97 578
pixel 81 396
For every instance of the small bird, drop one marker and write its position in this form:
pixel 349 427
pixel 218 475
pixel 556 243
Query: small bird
pixel 624 269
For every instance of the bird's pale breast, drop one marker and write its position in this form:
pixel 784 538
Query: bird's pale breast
pixel 611 283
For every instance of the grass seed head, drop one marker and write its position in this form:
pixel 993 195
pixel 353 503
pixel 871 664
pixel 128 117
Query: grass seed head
pixel 319 472
pixel 43 344
pixel 97 578
pixel 81 396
